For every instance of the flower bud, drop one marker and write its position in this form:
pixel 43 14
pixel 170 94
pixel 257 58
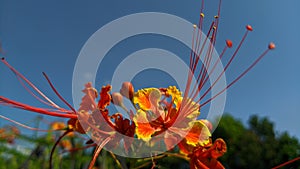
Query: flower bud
pixel 127 90
pixel 117 99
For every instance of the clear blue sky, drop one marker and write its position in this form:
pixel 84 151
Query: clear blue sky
pixel 41 36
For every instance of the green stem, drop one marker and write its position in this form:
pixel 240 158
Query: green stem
pixel 143 165
pixel 177 155
pixel 116 160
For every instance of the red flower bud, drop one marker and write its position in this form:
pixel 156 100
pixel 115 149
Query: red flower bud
pixel 117 99
pixel 127 90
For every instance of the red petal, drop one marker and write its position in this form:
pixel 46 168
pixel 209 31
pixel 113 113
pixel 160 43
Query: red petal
pixel 105 97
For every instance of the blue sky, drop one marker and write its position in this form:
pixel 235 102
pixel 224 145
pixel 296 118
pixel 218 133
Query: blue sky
pixel 48 36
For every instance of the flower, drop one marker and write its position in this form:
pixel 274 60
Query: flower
pixel 57 125
pixel 9 134
pixel 206 158
pixel 161 111
pixel 203 155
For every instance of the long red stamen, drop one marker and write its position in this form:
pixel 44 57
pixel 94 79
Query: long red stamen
pixel 212 44
pixel 192 54
pixel 205 65
pixel 25 126
pixel 229 45
pixel 191 73
pixel 226 67
pixel 203 82
pixel 271 47
pixel 199 35
pixel 202 48
pixel 34 95
pixel 286 163
pixel 207 62
pixel 194 62
pixel 28 82
pixel 97 152
pixel 56 92
pixel 23 106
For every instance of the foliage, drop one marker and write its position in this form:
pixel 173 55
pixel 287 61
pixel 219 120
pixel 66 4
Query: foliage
pixel 256 146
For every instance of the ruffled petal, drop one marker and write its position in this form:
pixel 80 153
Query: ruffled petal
pixel 88 100
pixel 143 128
pixel 147 98
pixel 198 134
pixel 175 94
pixel 105 97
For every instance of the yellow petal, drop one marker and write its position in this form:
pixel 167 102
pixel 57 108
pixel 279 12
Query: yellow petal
pixel 198 134
pixel 143 128
pixel 175 94
pixel 146 98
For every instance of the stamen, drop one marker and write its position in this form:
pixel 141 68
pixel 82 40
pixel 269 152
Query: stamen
pixel 202 15
pixel 19 105
pixel 34 95
pixel 226 67
pixel 25 126
pixel 249 28
pixel 271 46
pixel 28 82
pixel 56 92
pixel 207 60
pixel 242 74
pixel 97 152
pixel 229 43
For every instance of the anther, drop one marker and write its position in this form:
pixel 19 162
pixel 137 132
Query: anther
pixel 249 28
pixel 202 15
pixel 271 46
pixel 229 43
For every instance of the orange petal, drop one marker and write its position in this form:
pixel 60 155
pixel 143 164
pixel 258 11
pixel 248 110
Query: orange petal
pixel 145 98
pixel 185 148
pixel 218 149
pixel 57 125
pixel 199 134
pixel 175 94
pixel 143 128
